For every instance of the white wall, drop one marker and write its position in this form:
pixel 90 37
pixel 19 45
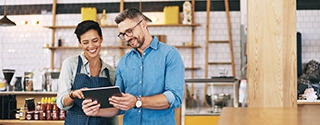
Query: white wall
pixel 21 47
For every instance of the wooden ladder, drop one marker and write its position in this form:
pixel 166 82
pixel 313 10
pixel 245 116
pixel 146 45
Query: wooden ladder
pixel 226 3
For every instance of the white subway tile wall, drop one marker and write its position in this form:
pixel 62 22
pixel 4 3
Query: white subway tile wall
pixel 22 47
pixel 25 35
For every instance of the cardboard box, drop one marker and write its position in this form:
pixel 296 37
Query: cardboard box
pixel 171 14
pixel 89 13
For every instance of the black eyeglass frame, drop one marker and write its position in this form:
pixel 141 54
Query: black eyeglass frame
pixel 128 32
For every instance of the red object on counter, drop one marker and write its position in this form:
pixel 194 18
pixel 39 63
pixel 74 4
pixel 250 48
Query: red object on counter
pixel 49 110
pixel 62 114
pixel 55 112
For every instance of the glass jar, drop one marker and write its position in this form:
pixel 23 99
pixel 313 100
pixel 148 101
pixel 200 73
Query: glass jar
pixel 23 112
pixel 29 115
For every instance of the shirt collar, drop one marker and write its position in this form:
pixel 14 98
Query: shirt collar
pixel 154 43
pixel 86 62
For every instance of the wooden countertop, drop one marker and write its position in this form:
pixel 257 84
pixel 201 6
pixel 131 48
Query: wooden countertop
pixel 270 116
pixel 31 122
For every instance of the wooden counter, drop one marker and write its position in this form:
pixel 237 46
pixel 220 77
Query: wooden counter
pixel 30 122
pixel 270 116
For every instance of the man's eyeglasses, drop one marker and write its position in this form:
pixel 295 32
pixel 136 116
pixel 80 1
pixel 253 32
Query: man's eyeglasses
pixel 128 32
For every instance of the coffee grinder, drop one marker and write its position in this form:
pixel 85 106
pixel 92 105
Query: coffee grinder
pixel 8 74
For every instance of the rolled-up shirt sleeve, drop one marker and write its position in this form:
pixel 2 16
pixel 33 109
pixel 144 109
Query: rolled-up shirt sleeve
pixel 174 79
pixel 65 82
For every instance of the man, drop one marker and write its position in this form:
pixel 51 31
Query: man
pixel 151 76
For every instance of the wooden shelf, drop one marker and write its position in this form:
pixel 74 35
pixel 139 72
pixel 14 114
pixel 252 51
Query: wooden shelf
pixel 219 63
pixel 191 46
pixel 305 102
pixel 221 41
pixel 193 68
pixel 114 26
pixel 27 93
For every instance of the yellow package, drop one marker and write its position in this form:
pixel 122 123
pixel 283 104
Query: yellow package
pixel 171 14
pixel 89 13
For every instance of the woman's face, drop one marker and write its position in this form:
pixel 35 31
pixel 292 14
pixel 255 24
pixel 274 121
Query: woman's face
pixel 91 43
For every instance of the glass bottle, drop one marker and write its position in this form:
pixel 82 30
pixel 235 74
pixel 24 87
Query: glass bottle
pixel 103 20
pixel 49 109
pixel 43 109
pixel 55 111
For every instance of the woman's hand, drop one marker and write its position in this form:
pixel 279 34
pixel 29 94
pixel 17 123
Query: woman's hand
pixel 77 94
pixel 90 107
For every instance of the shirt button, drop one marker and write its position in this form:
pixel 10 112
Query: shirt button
pixel 144 53
pixel 140 82
pixel 140 67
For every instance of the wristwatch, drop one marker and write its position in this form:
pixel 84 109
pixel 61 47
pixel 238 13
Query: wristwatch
pixel 139 102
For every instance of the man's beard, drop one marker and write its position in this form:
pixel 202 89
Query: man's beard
pixel 140 43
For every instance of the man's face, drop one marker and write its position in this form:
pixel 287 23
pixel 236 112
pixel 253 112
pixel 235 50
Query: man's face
pixel 131 31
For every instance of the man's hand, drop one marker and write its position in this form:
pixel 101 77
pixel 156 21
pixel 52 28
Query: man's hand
pixel 125 102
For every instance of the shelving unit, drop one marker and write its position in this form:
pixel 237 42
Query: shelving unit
pixel 121 47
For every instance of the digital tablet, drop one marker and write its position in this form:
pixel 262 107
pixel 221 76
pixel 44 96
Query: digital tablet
pixel 102 94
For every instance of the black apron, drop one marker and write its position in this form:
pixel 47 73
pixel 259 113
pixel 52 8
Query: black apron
pixel 75 115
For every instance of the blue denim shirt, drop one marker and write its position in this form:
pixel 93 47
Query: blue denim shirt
pixel 160 70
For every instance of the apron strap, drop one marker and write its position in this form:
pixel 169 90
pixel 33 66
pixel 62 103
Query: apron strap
pixel 107 73
pixel 79 64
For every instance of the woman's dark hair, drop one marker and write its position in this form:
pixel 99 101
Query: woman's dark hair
pixel 86 25
pixel 130 13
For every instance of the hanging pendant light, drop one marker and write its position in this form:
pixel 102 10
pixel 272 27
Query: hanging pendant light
pixel 4 21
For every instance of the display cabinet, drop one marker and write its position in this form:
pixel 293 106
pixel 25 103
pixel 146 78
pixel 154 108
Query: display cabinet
pixel 203 106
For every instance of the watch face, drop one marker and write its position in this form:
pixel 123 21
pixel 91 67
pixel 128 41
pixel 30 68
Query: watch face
pixel 138 104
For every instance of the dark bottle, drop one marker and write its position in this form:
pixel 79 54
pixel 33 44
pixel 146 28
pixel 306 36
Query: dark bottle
pixel 59 42
pixel 2 107
pixel 13 106
pixel 9 107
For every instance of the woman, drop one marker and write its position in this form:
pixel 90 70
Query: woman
pixel 83 71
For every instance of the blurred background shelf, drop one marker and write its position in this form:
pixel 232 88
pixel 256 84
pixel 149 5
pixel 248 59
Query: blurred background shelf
pixel 115 26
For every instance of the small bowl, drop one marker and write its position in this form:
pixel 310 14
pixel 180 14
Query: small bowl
pixel 218 99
